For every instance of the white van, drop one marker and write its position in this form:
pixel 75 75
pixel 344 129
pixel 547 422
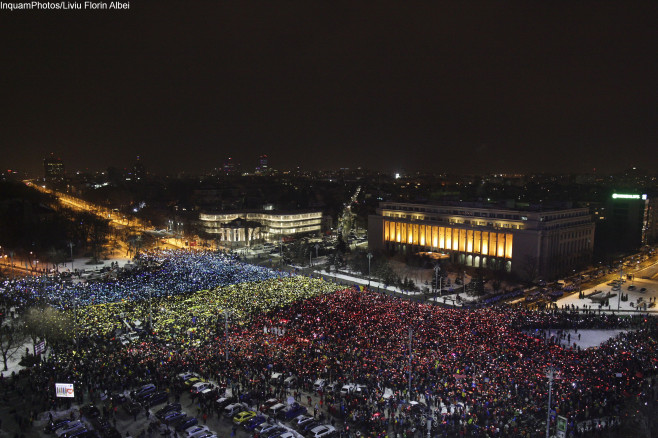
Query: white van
pixel 274 410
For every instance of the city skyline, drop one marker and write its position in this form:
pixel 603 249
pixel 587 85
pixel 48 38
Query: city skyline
pixel 511 87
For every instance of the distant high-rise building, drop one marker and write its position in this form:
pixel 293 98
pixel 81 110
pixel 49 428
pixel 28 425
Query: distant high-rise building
pixel 230 167
pixel 625 223
pixel 53 169
pixel 262 164
pixel 139 171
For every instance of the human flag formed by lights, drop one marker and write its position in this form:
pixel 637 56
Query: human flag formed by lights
pixel 40 348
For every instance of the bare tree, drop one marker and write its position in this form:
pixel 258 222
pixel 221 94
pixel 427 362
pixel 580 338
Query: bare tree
pixel 12 339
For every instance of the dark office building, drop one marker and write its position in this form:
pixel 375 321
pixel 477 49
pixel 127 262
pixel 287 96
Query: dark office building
pixel 53 169
pixel 623 224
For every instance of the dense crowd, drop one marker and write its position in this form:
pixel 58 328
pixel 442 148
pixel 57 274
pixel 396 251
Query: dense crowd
pixel 189 316
pixel 160 274
pixel 478 369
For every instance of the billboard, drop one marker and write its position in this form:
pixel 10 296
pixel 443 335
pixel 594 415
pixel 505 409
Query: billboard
pixel 64 389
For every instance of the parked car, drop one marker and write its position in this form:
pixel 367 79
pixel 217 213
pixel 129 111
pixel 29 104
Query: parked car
pixel 67 427
pixel 75 432
pixel 142 392
pixel 200 386
pixel 268 404
pixel 273 433
pixel 187 423
pixel 290 381
pixel 192 381
pixel 232 409
pixel 56 424
pixel 347 388
pixel 321 431
pixel 254 422
pixel 171 407
pixel 302 420
pixel 274 410
pixel 293 411
pixel 173 417
pixel 243 417
pixel 222 402
pixel 193 430
pixel 319 384
pixel 644 289
pixel 308 426
pixel 183 377
pixel 156 399
pixel 264 428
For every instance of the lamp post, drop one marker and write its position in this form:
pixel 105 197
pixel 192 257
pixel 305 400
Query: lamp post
pixel 621 272
pixel 71 245
pixel 551 375
pixel 11 256
pixel 369 258
pixel 437 268
pixel 411 333
pixel 226 315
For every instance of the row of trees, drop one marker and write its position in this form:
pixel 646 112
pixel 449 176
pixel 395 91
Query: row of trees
pixel 36 324
pixel 35 226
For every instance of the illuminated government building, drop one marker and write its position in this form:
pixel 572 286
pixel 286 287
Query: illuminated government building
pixel 269 226
pixel 531 243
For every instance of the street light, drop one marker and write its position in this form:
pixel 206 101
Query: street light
pixel 550 373
pixel 71 245
pixel 369 258
pixel 621 271
pixel 226 315
pixel 411 334
pixel 437 268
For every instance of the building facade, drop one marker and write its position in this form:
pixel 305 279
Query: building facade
pixel 532 244
pixel 240 227
pixel 53 169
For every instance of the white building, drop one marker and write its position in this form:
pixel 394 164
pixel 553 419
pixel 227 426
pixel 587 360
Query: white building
pixel 239 227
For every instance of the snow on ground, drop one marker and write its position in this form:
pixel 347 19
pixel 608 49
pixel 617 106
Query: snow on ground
pixel 12 362
pixel 588 337
pixel 636 299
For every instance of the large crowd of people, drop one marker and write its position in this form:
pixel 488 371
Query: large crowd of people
pixel 480 371
pixel 161 273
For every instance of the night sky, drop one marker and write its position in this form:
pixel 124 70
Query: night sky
pixel 460 87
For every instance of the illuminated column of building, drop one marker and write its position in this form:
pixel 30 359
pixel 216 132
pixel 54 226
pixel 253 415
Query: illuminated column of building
pixel 455 239
pixel 485 243
pixel 469 241
pixel 398 230
pixel 410 237
pixel 414 234
pixel 462 240
pixel 386 231
pixel 492 244
pixel 435 237
pixel 477 241
pixel 448 238
pixel 508 246
pixel 501 245
pixel 422 235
